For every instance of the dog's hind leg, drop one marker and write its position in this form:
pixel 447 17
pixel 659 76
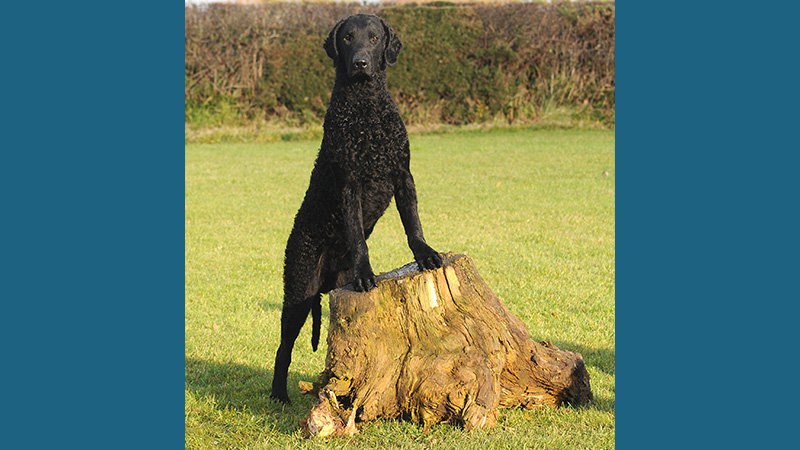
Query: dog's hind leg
pixel 292 319
pixel 301 283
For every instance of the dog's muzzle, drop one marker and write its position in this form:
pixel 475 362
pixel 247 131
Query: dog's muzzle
pixel 360 66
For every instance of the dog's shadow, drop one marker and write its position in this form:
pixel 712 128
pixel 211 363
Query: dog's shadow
pixel 246 389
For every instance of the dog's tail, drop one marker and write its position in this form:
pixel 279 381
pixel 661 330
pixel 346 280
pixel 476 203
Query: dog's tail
pixel 316 318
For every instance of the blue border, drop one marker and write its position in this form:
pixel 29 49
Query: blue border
pixel 92 183
pixel 706 224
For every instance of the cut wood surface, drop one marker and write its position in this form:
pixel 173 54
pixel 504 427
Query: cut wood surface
pixel 439 346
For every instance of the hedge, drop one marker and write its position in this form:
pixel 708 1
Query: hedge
pixel 460 63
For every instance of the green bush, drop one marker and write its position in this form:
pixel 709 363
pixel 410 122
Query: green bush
pixel 459 65
pixel 434 71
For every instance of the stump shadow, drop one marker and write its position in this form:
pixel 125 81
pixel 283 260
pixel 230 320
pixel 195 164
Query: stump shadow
pixel 246 389
pixel 602 359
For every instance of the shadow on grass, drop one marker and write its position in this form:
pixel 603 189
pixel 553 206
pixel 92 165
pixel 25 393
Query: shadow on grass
pixel 599 358
pixel 246 389
pixel 270 305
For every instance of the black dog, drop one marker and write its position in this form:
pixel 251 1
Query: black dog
pixel 362 163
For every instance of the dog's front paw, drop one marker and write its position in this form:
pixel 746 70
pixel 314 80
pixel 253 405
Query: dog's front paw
pixel 364 280
pixel 428 258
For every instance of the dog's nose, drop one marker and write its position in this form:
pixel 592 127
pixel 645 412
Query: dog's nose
pixel 360 63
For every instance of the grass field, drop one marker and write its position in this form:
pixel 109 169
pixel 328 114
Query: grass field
pixel 533 208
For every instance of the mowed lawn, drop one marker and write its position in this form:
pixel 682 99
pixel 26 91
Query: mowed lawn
pixel 533 208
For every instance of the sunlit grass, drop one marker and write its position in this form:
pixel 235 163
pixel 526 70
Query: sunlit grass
pixel 533 208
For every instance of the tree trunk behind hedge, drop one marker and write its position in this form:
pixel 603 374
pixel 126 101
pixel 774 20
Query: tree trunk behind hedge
pixel 439 346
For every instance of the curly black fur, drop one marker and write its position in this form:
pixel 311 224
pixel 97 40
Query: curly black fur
pixel 363 161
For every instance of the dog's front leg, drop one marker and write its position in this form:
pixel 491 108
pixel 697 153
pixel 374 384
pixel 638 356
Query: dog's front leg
pixel 364 278
pixel 406 199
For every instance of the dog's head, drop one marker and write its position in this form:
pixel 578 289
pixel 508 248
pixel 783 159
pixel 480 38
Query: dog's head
pixel 362 45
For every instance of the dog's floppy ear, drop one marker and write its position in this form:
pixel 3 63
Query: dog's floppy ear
pixel 330 46
pixel 393 45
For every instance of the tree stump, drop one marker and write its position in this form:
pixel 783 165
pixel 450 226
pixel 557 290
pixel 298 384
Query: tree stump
pixel 439 346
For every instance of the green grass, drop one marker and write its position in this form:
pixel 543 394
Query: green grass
pixel 533 208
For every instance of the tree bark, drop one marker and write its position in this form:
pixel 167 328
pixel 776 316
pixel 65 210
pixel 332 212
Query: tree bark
pixel 439 346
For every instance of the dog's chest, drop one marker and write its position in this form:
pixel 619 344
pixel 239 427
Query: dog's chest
pixel 370 141
pixel 374 151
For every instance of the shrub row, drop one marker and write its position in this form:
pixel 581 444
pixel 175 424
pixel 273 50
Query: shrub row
pixel 460 64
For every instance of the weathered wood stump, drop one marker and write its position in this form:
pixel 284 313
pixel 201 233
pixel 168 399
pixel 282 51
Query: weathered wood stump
pixel 439 346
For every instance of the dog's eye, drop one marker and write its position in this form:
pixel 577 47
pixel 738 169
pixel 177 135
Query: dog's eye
pixel 348 38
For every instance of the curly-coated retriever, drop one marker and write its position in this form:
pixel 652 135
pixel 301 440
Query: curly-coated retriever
pixel 362 163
